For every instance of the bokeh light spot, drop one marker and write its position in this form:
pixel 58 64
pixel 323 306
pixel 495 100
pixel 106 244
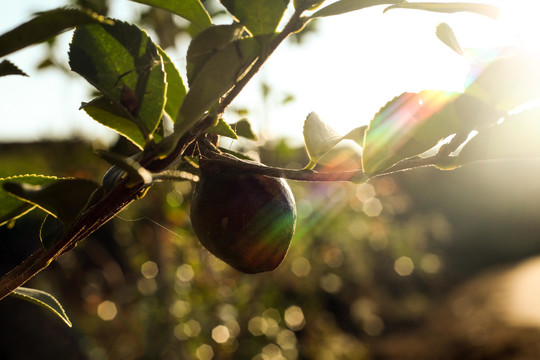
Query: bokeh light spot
pixel 372 207
pixel 301 267
pixel 294 318
pixel 404 266
pixel 204 352
pixel 149 269
pixel 107 310
pixel 430 263
pixel 220 334
pixel 185 273
pixel 331 283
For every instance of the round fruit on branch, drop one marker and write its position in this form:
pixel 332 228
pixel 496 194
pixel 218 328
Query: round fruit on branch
pixel 245 219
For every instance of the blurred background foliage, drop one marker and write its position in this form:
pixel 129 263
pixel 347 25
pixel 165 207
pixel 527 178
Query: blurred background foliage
pixel 419 265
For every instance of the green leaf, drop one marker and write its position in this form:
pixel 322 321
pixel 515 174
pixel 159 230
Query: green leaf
pixel 222 128
pixel 43 299
pixel 507 82
pixel 258 16
pixel 206 44
pixel 64 198
pixel 216 78
pixel 409 125
pixel 517 136
pixel 482 9
pixel 135 172
pixel 8 68
pixel 122 62
pixel 446 35
pixel 176 90
pixel 191 10
pixel 115 117
pixel 319 138
pixel 11 207
pixel 243 128
pixel 345 6
pixel 45 25
pixel 357 135
pixel 307 4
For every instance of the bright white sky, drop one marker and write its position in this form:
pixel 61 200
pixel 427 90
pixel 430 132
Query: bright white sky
pixel 345 72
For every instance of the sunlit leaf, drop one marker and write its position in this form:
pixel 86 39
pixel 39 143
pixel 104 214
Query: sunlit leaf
pixel 63 198
pixel 9 68
pixel 116 117
pixel 11 207
pixel 43 299
pixel 176 90
pixel 191 10
pixel 447 36
pixel 259 16
pixel 206 44
pixel 482 9
pixel 345 6
pixel 517 136
pixel 357 135
pixel 319 138
pixel 508 82
pixel 408 125
pixel 217 77
pixel 122 62
pixel 243 129
pixel 223 129
pixel 135 172
pixel 45 25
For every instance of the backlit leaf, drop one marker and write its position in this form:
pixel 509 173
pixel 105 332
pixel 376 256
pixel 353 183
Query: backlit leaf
pixel 216 78
pixel 447 36
pixel 191 10
pixel 319 138
pixel 45 25
pixel 345 6
pixel 482 9
pixel 11 207
pixel 259 16
pixel 176 89
pixel 223 129
pixel 63 198
pixel 243 128
pixel 43 299
pixel 122 62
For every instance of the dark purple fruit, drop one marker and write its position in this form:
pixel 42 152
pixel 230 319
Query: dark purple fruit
pixel 246 220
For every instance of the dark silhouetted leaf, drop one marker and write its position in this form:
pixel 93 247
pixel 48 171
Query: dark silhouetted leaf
pixel 191 10
pixel 64 198
pixel 9 68
pixel 43 299
pixel 45 25
pixel 11 207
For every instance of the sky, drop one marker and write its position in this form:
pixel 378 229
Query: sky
pixel 344 72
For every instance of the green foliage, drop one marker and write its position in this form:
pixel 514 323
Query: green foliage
pixel 217 76
pixel 44 26
pixel 223 129
pixel 446 35
pixel 52 197
pixel 243 128
pixel 44 300
pixel 260 17
pixel 191 10
pixel 319 138
pixel 345 6
pixel 11 207
pixel 121 61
